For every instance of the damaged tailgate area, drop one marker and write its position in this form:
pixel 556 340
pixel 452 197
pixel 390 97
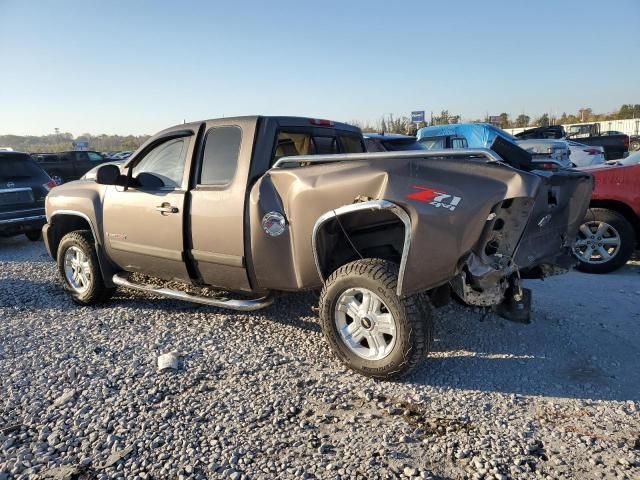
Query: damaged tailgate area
pixel 525 238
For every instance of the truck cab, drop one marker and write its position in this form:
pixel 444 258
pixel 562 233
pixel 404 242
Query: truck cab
pixel 179 210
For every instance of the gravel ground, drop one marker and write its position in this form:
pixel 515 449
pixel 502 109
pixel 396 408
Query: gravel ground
pixel 260 395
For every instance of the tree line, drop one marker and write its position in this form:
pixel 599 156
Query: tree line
pixel 59 142
pixel 402 124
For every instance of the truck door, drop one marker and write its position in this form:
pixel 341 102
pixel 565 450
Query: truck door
pixel 217 203
pixel 143 226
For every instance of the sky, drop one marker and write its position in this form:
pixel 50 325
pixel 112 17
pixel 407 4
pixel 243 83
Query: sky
pixel 138 66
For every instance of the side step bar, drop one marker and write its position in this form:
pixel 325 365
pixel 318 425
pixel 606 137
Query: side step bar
pixel 243 305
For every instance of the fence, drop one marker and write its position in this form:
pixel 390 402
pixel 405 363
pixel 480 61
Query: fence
pixel 630 126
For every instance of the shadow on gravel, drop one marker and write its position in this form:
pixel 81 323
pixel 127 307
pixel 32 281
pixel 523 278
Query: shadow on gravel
pixel 540 358
pixel 294 310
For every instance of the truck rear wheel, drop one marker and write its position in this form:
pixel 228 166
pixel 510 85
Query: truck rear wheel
pixel 605 241
pixel 369 328
pixel 79 269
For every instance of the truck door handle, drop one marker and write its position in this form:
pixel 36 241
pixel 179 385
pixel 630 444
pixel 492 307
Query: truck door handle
pixel 167 208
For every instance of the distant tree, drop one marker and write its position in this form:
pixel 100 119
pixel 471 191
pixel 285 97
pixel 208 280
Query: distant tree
pixel 628 111
pixel 522 121
pixel 542 121
pixel 585 115
pixel 445 118
pixel 504 121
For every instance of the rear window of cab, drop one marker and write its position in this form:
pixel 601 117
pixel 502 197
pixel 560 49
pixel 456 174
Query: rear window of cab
pixel 290 144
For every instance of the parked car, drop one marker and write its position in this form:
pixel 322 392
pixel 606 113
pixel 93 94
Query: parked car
pixel 391 142
pixel 546 154
pixel 615 146
pixel 23 188
pixel 71 165
pixel 584 155
pixel 258 205
pixel 93 173
pixel 611 228
pixel 634 143
pixel 121 155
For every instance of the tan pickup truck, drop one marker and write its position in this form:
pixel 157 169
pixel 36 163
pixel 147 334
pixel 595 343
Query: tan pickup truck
pixel 258 206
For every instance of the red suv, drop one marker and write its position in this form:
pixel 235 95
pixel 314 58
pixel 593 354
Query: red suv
pixel 611 229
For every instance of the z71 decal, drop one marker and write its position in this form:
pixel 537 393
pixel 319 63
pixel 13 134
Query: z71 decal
pixel 435 198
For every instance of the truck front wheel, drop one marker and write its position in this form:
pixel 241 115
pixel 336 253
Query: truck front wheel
pixel 369 328
pixel 79 269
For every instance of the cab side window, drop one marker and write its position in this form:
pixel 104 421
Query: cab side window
pixel 220 159
pixel 166 161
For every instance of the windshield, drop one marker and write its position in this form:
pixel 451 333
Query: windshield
pixel 18 165
pixel 432 143
pixel 398 146
pixel 633 159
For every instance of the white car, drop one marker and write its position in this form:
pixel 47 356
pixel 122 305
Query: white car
pixel 547 149
pixel 585 155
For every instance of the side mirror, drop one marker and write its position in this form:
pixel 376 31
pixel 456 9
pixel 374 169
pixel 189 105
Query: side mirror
pixel 108 175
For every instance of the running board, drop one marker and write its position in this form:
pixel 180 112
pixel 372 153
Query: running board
pixel 243 305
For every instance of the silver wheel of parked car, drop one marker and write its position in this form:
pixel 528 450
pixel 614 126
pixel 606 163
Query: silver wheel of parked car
pixel 598 242
pixel 57 178
pixel 365 324
pixel 77 269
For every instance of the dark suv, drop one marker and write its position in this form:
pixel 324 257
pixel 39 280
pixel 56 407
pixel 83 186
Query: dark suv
pixel 71 165
pixel 23 188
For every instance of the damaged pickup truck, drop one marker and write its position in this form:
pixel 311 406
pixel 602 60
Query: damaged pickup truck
pixel 256 206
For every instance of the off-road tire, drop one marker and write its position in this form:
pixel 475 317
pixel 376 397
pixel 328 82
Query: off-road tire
pixel 34 235
pixel 98 292
pixel 412 316
pixel 627 240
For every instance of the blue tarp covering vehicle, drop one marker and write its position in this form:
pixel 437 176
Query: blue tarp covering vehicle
pixel 478 135
pixel 545 153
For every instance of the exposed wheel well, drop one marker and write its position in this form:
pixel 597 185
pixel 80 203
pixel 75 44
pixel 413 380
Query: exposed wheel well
pixel 63 224
pixel 623 209
pixel 359 234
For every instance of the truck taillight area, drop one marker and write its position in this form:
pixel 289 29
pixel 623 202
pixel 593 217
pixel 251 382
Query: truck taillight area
pixel 321 123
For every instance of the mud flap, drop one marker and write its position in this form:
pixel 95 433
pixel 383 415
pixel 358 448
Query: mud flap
pixel 516 308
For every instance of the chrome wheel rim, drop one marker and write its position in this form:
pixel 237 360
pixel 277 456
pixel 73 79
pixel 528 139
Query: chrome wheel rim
pixel 365 324
pixel 597 242
pixel 77 269
pixel 57 179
